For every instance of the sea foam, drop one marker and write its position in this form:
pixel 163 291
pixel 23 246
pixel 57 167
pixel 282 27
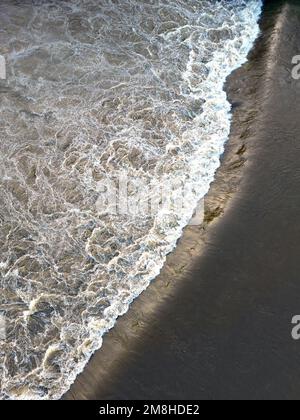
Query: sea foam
pixel 92 91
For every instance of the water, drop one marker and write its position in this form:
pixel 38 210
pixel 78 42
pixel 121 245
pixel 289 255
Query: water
pixel 93 91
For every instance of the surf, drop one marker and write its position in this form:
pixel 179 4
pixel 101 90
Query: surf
pixel 93 92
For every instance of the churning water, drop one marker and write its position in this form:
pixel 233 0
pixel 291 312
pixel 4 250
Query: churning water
pixel 95 88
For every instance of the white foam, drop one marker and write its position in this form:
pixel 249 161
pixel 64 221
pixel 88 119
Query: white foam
pixel 81 306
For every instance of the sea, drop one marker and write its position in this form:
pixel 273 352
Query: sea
pixel 107 108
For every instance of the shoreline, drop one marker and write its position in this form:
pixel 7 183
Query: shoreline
pixel 166 346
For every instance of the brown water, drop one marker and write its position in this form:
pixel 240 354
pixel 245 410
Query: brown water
pixel 221 330
pixel 93 91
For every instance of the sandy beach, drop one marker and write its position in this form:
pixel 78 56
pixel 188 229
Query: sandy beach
pixel 216 324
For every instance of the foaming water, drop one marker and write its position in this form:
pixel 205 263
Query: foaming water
pixel 92 91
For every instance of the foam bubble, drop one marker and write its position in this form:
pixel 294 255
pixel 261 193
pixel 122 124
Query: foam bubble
pixel 92 91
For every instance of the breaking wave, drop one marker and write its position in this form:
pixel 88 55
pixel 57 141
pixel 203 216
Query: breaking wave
pixel 92 91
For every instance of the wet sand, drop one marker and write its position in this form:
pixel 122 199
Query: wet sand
pixel 216 324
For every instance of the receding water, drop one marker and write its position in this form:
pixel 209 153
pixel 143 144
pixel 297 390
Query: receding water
pixel 94 89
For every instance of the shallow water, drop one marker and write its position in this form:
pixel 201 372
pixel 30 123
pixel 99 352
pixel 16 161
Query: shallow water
pixel 94 91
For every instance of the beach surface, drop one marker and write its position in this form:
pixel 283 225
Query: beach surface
pixel 216 324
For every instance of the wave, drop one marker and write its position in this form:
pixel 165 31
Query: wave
pixel 94 91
